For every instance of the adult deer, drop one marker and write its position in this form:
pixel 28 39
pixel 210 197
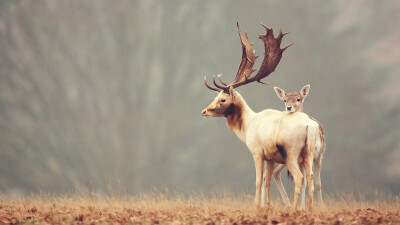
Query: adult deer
pixel 294 103
pixel 271 135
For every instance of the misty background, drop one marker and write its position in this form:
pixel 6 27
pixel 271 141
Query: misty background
pixel 99 95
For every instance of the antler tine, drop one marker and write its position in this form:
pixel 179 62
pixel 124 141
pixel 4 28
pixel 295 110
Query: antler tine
pixel 216 85
pixel 220 80
pixel 269 30
pixel 259 81
pixel 265 26
pixel 287 46
pixel 281 35
pixel 214 89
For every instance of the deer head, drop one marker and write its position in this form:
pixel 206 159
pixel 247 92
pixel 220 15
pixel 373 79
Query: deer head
pixel 222 104
pixel 294 100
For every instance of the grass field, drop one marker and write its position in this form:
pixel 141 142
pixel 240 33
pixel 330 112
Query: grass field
pixel 159 209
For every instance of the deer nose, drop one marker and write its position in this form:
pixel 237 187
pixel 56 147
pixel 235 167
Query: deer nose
pixel 204 112
pixel 289 107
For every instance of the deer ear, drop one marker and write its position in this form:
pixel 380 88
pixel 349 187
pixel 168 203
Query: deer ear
pixel 304 91
pixel 280 93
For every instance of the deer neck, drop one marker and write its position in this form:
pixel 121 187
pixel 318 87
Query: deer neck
pixel 238 117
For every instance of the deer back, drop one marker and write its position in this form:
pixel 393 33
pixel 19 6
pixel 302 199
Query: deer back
pixel 275 133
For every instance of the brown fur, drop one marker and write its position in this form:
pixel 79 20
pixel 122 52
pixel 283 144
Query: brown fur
pixel 277 157
pixel 234 117
pixel 291 99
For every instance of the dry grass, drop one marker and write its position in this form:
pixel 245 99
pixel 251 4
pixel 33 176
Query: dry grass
pixel 159 209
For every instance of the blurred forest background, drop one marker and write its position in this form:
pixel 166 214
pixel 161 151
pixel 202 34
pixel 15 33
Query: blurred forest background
pixel 98 95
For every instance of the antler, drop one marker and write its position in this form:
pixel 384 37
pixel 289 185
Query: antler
pixel 272 57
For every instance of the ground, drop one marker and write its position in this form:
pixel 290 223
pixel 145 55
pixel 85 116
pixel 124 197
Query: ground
pixel 159 209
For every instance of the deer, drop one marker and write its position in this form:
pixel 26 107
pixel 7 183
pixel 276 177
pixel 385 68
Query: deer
pixel 270 135
pixel 294 103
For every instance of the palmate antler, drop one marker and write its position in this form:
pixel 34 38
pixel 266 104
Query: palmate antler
pixel 272 56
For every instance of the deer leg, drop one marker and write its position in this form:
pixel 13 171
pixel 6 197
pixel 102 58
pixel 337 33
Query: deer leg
pixel 303 189
pixel 293 167
pixel 277 177
pixel 258 161
pixel 263 186
pixel 269 168
pixel 308 163
pixel 317 165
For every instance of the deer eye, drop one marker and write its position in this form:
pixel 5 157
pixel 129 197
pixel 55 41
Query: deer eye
pixel 223 100
pixel 298 100
pixel 284 100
